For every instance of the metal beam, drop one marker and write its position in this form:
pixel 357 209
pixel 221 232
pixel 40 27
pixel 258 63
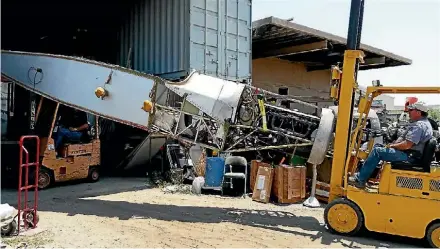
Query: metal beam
pixel 370 62
pixel 288 29
pixel 317 68
pixel 304 48
pixel 374 61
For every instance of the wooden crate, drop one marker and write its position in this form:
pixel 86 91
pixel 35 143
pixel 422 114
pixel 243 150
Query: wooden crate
pixel 324 170
pixel 289 185
pixel 322 191
pixel 255 164
pixel 263 184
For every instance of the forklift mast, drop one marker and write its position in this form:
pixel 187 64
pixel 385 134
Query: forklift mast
pixel 346 97
pixel 344 93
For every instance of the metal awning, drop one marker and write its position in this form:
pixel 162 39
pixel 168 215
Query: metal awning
pixel 275 37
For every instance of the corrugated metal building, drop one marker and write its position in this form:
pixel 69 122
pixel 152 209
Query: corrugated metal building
pixel 168 38
pixel 4 108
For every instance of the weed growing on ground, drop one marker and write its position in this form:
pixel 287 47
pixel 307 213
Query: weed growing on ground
pixel 32 241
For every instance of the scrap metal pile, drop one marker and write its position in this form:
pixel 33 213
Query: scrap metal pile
pixel 237 118
pixel 204 110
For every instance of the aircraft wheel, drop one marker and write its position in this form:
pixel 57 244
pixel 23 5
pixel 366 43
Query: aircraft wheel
pixel 433 235
pixel 44 178
pixel 343 217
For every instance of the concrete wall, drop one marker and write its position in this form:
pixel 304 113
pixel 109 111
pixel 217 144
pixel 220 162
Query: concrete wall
pixel 273 73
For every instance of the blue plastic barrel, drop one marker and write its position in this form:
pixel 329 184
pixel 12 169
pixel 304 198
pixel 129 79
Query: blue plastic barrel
pixel 214 172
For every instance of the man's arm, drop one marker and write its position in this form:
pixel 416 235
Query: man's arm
pixel 404 145
pixel 411 138
pixel 82 127
pixel 85 125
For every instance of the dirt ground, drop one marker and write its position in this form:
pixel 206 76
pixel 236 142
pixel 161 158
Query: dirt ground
pixel 127 212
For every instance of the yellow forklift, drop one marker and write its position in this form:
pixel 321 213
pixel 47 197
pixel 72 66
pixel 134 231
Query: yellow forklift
pixel 74 160
pixel 31 114
pixel 406 201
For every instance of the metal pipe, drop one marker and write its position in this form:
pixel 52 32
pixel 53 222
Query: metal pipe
pixel 8 112
pixel 360 23
pixel 353 43
pixel 285 97
pixel 359 35
pixel 353 26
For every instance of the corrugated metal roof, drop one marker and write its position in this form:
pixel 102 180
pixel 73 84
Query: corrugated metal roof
pixel 278 34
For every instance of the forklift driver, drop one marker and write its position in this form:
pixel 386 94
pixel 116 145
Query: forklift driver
pixel 408 147
pixel 73 126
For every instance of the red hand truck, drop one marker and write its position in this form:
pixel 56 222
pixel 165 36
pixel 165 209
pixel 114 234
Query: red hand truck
pixel 28 214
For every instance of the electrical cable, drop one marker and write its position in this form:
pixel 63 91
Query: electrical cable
pixel 37 71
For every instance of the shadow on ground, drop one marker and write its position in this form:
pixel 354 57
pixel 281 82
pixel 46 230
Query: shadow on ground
pixel 69 199
pixel 272 220
pixel 72 190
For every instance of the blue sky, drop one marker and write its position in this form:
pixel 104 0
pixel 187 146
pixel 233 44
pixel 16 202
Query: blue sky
pixel 409 28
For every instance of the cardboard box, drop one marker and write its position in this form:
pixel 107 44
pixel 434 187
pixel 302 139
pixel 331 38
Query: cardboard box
pixel 255 164
pixel 263 184
pixel 289 184
pixel 324 170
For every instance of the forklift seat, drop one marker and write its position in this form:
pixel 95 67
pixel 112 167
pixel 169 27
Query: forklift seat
pixel 422 165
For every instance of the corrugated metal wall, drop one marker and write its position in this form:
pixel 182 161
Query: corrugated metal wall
pixel 157 33
pixel 4 108
pixel 169 38
pixel 221 38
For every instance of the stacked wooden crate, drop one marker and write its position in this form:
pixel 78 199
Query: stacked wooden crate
pixel 289 185
pixel 286 184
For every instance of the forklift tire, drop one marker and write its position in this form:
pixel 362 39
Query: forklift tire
pixel 44 178
pixel 93 174
pixel 433 235
pixel 343 217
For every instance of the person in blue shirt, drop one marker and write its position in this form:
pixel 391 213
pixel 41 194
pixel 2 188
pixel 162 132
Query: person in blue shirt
pixel 408 146
pixel 74 127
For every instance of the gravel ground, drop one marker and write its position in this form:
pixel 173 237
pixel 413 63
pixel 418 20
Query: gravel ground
pixel 118 212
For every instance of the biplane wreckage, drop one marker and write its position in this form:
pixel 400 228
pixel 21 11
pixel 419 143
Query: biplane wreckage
pixel 213 113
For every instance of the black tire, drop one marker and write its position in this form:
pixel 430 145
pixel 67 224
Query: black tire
pixel 430 236
pixel 333 206
pixel 93 174
pixel 9 229
pixel 236 161
pixel 44 178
